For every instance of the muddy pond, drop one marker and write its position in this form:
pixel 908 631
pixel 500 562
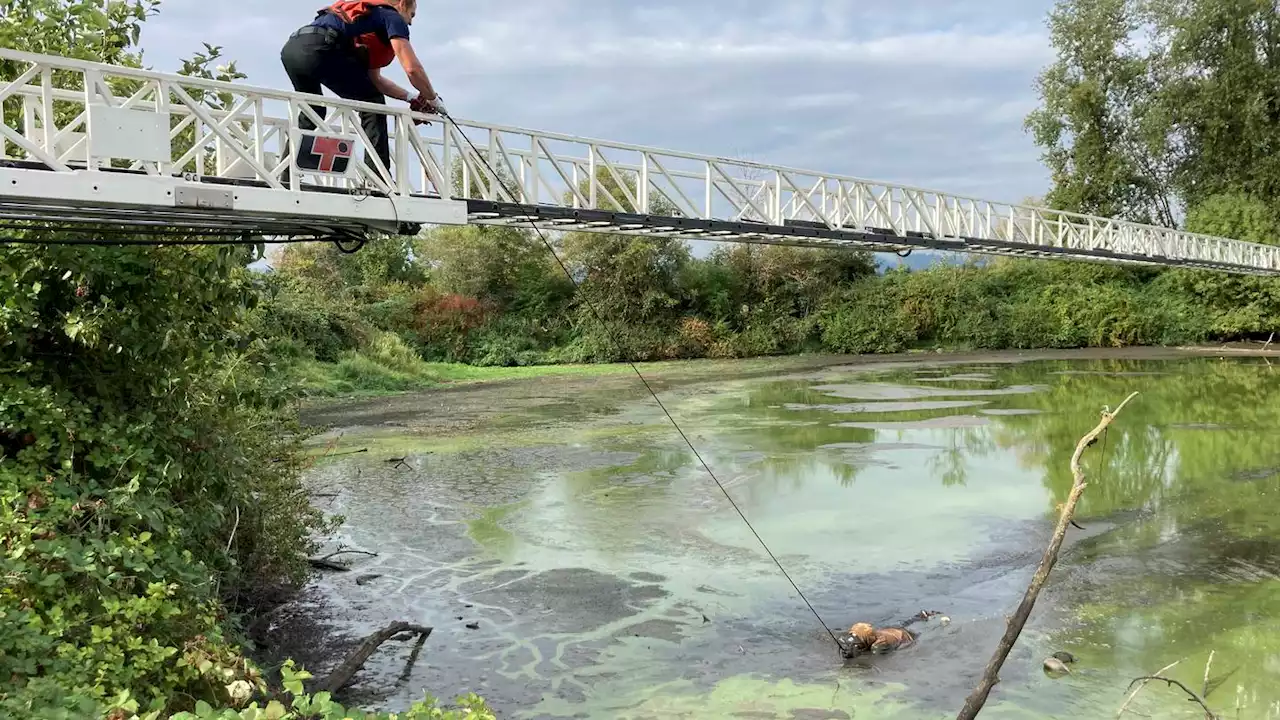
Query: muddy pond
pixel 576 560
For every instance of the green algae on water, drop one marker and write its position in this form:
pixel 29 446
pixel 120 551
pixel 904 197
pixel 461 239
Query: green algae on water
pixel 877 510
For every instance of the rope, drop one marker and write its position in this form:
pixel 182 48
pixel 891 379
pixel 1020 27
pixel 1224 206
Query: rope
pixel 645 382
pixel 594 312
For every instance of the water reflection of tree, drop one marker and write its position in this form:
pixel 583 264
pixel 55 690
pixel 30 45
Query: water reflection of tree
pixel 951 464
pixel 1150 459
pixel 1159 456
pixel 791 443
pixel 791 426
pixel 1214 592
pixel 1160 452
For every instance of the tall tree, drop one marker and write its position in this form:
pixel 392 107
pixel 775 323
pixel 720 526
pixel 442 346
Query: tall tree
pixel 1101 130
pixel 1218 62
pixel 628 279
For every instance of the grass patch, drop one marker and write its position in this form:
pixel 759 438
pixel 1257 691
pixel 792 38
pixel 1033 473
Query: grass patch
pixel 387 366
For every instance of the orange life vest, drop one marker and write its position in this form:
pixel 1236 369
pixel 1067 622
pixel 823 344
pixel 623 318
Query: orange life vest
pixel 376 49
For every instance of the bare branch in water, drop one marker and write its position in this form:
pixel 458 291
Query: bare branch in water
pixel 349 667
pixel 1208 714
pixel 973 704
pixel 1138 689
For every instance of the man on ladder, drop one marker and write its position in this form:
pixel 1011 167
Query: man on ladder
pixel 345 48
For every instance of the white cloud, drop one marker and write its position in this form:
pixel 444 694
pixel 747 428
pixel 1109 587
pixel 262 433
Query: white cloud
pixel 925 92
pixel 948 49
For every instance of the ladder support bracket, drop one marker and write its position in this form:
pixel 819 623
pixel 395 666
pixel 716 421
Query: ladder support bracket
pixel 204 197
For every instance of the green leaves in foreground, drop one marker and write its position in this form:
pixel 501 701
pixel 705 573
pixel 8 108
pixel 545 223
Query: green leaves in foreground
pixel 294 703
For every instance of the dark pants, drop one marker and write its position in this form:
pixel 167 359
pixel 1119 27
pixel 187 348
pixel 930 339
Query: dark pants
pixel 313 59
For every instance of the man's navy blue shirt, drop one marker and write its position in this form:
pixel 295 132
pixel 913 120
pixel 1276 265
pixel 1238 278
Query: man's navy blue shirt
pixel 381 19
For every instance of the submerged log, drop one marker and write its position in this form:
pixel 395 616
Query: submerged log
pixel 356 660
pixel 325 564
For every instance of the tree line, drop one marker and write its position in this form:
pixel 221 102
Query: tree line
pixel 496 296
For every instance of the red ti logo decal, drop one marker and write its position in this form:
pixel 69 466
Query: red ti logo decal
pixel 330 151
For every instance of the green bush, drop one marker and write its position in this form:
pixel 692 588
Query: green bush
pixel 869 317
pixel 150 470
pixel 292 316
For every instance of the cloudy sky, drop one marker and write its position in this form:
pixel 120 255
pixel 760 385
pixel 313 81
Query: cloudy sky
pixel 925 92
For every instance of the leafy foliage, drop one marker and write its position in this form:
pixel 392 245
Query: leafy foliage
pixel 150 470
pixel 1157 108
pixel 150 459
pixel 1099 125
pixel 293 703
pixel 661 303
pixel 1153 105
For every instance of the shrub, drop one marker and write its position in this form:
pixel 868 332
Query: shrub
pixel 869 317
pixel 444 322
pixel 149 473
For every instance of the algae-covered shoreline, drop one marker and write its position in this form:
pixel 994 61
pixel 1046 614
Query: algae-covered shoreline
pixel 606 576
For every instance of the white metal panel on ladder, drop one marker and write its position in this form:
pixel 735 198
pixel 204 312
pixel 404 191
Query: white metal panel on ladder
pixel 103 144
pixel 94 142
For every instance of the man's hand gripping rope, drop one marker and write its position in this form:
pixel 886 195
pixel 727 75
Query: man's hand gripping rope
pixel 428 107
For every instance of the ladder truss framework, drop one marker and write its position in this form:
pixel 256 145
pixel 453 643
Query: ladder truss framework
pixel 99 144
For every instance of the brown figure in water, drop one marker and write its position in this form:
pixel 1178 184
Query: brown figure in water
pixel 879 640
pixel 863 637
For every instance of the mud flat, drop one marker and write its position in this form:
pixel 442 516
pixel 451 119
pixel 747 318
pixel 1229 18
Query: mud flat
pixel 575 561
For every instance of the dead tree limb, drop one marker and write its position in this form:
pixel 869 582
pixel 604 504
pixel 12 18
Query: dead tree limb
pixel 325 562
pixel 348 552
pixel 1209 714
pixel 973 704
pixel 356 660
pixel 413 656
pixel 1138 689
pixel 347 452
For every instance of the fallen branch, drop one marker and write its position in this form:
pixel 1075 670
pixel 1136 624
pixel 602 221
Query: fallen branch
pixel 235 527
pixel 325 562
pixel 347 452
pixel 356 660
pixel 345 551
pixel 1209 714
pixel 413 656
pixel 973 704
pixel 1138 689
pixel 1214 684
pixel 322 564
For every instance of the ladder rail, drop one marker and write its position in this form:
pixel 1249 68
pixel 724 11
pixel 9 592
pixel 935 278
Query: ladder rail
pixel 555 170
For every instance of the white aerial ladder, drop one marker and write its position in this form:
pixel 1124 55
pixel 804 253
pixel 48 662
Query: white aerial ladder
pixel 96 146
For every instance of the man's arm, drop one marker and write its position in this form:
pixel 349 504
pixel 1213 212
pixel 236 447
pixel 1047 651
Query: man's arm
pixel 398 33
pixel 413 68
pixel 387 87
